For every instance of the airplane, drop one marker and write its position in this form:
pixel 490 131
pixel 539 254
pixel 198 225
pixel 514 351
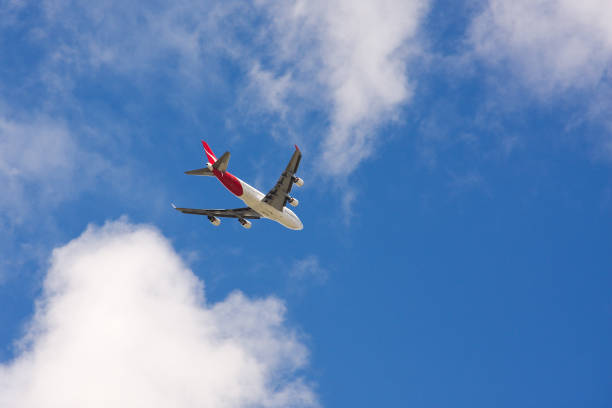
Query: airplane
pixel 259 205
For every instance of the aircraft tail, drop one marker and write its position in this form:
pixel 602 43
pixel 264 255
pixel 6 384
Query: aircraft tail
pixel 209 153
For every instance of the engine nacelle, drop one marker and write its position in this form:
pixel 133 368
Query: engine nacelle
pixel 293 201
pixel 245 223
pixel 298 181
pixel 214 220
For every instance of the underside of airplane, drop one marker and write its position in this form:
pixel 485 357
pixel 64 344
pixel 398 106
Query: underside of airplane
pixel 271 205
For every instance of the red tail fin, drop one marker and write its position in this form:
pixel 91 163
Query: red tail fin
pixel 209 153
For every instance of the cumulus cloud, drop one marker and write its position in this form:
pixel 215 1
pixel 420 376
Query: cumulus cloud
pixel 348 58
pixel 122 322
pixel 554 45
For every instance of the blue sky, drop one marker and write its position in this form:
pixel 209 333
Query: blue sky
pixel 456 249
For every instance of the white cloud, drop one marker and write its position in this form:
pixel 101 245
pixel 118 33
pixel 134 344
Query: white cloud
pixel 41 164
pixel 33 149
pixel 119 35
pixel 559 50
pixel 348 58
pixel 554 45
pixel 309 268
pixel 271 90
pixel 122 322
pixel 79 39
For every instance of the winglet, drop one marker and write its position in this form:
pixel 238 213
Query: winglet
pixel 173 206
pixel 209 153
pixel 297 148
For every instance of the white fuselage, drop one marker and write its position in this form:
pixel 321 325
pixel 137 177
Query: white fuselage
pixel 253 198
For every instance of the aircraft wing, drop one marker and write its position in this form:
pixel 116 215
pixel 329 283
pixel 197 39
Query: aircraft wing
pixel 246 212
pixel 277 197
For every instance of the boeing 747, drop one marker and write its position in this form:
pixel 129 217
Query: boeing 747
pixel 259 205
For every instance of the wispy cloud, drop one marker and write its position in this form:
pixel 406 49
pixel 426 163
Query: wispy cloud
pixel 123 322
pixel 77 41
pixel 271 90
pixel 347 59
pixel 556 51
pixel 309 268
pixel 555 45
pixel 41 165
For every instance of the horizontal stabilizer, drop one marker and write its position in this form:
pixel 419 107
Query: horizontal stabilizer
pixel 204 171
pixel 221 163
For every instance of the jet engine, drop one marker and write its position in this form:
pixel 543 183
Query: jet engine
pixel 293 201
pixel 245 223
pixel 298 181
pixel 214 220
